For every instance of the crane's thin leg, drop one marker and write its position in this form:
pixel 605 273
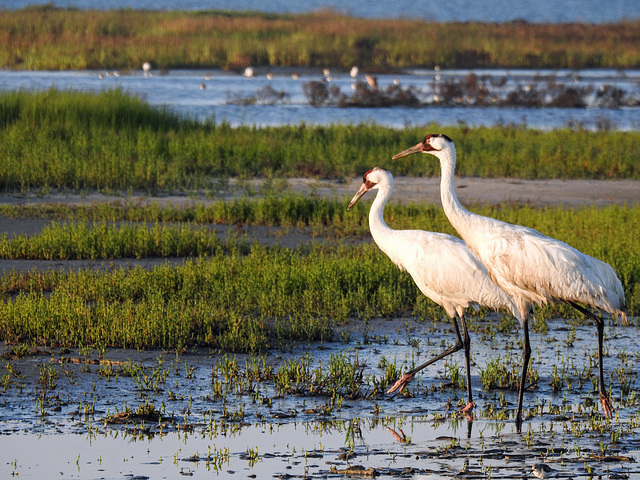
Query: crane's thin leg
pixel 467 357
pixel 407 377
pixel 526 355
pixel 607 407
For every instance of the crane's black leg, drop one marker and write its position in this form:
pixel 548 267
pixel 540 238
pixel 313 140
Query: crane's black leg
pixel 466 341
pixel 407 377
pixel 526 355
pixel 607 407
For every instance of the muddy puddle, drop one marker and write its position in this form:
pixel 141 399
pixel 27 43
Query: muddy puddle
pixel 126 414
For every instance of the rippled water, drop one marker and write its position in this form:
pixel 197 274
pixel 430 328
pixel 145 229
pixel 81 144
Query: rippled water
pixel 182 91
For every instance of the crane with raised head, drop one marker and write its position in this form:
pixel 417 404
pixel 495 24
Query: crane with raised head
pixel 531 267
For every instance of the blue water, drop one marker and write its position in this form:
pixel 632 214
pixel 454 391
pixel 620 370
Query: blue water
pixel 538 11
pixel 181 91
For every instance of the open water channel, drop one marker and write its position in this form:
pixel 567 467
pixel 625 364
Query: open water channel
pixel 236 99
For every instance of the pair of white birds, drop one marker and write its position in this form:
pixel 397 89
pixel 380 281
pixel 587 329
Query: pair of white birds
pixel 498 265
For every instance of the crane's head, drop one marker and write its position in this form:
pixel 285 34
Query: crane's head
pixel 430 144
pixel 370 181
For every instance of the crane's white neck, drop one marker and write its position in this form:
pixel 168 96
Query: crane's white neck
pixel 378 227
pixel 453 209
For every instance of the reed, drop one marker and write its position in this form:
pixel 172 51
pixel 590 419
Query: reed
pixel 49 38
pixel 112 142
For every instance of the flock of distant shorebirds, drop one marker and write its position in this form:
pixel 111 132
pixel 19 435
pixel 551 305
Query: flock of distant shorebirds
pixel 249 72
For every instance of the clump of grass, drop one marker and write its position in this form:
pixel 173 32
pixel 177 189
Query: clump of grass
pixel 504 372
pixel 238 303
pixel 70 241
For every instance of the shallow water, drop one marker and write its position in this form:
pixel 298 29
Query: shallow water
pixel 180 91
pixel 257 431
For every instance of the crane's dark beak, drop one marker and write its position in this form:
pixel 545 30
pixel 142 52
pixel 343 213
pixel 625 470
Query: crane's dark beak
pixel 410 151
pixel 364 188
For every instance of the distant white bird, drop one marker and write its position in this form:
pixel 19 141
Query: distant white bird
pixel 531 267
pixel 248 72
pixel 442 267
pixel 146 68
pixel 354 72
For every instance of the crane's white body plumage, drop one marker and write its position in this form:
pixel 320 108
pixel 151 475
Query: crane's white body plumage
pixel 441 265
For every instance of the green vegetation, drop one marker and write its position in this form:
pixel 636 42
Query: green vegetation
pixel 241 297
pixel 49 38
pixel 70 241
pixel 113 142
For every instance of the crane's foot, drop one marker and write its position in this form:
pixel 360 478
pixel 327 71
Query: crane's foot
pixel 607 407
pixel 400 437
pixel 403 382
pixel 468 411
pixel 468 408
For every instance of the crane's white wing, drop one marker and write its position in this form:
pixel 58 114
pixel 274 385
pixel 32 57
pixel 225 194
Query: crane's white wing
pixel 445 270
pixel 526 263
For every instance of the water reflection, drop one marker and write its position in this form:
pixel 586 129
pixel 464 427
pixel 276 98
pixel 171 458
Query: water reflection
pixel 320 449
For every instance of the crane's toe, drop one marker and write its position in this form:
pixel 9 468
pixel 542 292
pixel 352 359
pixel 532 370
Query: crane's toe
pixel 607 407
pixel 400 437
pixel 400 384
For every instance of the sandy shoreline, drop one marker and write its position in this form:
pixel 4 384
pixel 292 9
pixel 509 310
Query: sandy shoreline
pixel 471 190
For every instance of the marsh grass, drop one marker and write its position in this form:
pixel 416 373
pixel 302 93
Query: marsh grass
pixel 113 142
pixel 239 297
pixel 607 233
pixel 50 38
pixel 243 297
pixel 70 241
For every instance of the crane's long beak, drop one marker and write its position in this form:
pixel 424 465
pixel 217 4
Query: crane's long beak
pixel 361 191
pixel 409 151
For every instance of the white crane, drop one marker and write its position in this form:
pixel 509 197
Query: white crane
pixel 442 267
pixel 531 267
